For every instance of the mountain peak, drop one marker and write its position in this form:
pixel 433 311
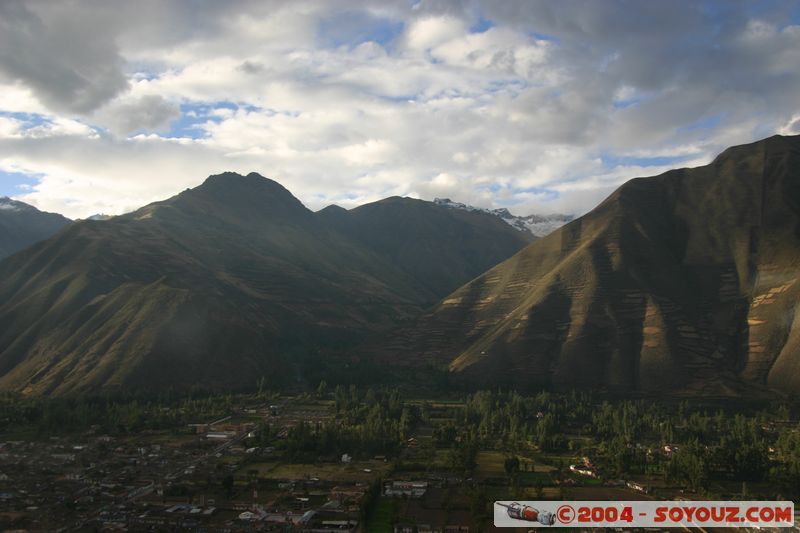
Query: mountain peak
pixel 8 204
pixel 240 196
pixel 252 181
pixel 332 210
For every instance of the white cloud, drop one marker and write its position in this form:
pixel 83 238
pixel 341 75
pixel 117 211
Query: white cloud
pixel 428 32
pixel 547 110
pixel 9 128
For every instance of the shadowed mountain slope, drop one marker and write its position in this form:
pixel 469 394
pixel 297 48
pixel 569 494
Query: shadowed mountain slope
pixel 683 283
pixel 430 243
pixel 22 225
pixel 217 286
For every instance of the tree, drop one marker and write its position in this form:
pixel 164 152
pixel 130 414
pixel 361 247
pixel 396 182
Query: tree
pixel 690 464
pixel 511 465
pixel 227 484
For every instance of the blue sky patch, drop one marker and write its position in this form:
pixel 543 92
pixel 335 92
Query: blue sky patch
pixel 15 183
pixel 351 28
pixel 195 115
pixel 30 120
pixel 481 25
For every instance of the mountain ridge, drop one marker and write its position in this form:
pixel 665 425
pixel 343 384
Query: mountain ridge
pixel 681 283
pixel 216 286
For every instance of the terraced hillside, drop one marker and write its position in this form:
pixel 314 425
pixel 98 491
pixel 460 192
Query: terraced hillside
pixel 685 282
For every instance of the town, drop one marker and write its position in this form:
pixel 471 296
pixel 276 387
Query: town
pixel 369 460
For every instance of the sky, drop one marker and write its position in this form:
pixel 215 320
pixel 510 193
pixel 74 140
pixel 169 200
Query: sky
pixel 537 106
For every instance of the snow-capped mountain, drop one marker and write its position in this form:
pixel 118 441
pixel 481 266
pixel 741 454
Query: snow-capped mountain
pixel 538 225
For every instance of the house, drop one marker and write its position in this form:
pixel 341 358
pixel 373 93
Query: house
pixel 582 471
pixel 636 486
pixel 411 489
pixel 199 428
pixel 220 435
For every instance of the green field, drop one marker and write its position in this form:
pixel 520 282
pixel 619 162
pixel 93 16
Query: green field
pixel 381 517
pixel 533 478
pixel 490 464
pixel 353 472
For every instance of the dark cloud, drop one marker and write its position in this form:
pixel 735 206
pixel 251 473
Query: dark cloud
pixel 251 67
pixel 149 112
pixel 69 64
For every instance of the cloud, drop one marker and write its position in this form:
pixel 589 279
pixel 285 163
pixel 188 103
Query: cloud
pixel 69 64
pixel 538 106
pixel 126 115
pixel 426 33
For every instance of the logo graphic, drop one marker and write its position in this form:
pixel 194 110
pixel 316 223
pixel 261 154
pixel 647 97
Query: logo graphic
pixel 661 514
pixel 527 513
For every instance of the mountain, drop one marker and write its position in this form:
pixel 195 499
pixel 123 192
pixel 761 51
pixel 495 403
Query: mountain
pixel 430 243
pixel 536 225
pixel 22 225
pixel 217 286
pixel 684 283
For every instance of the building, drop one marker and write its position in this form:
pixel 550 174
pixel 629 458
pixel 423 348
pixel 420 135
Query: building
pixel 410 489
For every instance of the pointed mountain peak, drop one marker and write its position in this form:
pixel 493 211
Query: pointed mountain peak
pixel 333 210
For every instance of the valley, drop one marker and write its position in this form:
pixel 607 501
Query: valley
pixel 427 266
pixel 373 460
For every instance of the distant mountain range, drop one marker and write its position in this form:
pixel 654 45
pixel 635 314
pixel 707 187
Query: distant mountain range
pixel 225 283
pixel 684 283
pixel 536 225
pixel 681 284
pixel 22 225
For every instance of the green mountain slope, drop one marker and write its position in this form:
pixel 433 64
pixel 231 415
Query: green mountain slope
pixel 683 283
